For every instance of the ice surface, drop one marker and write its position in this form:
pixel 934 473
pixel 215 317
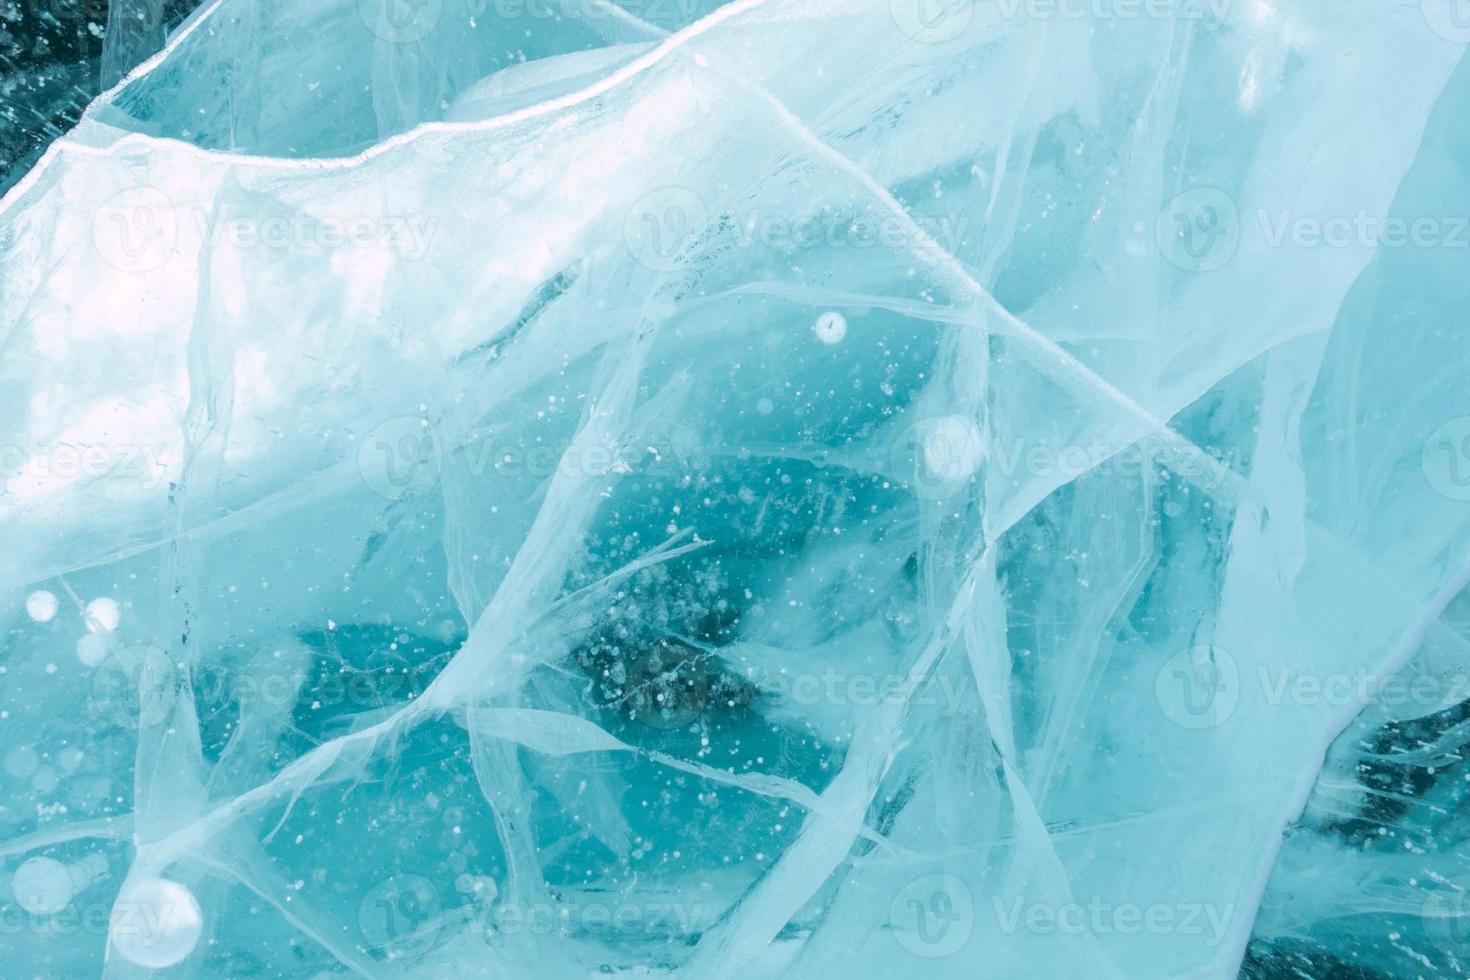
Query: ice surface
pixel 786 488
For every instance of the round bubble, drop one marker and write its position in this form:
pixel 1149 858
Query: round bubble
pixel 21 761
pixel 155 923
pixel 70 759
pixel 42 606
pixel 45 780
pixel 92 649
pixel 830 327
pixel 953 449
pixel 43 886
pixel 103 615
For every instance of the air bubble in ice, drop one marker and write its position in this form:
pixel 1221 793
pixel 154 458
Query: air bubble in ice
pixel 155 923
pixel 41 606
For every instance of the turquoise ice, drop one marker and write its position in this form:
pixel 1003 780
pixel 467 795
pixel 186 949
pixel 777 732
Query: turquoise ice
pixel 802 488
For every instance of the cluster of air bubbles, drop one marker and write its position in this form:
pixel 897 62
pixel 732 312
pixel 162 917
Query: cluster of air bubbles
pixel 100 616
pixel 45 886
pixel 23 763
pixel 155 922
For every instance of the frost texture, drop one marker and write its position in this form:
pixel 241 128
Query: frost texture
pixel 811 489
